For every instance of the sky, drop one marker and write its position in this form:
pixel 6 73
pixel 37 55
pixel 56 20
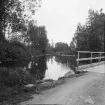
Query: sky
pixel 60 17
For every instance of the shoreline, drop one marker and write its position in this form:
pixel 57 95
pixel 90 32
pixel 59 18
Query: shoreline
pixel 16 98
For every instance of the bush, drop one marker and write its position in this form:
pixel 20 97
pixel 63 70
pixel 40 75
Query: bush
pixel 4 73
pixel 13 50
pixel 19 77
pixel 15 77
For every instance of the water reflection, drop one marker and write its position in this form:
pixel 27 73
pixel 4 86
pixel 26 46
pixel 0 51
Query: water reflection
pixel 56 69
pixel 69 61
pixel 45 67
pixel 14 65
pixel 37 67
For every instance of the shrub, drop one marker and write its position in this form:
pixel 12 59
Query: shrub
pixel 19 77
pixel 13 50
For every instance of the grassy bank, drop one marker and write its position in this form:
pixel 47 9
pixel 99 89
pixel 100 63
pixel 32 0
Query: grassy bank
pixel 19 95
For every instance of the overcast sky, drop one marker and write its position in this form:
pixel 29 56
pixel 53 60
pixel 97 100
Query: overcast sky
pixel 62 16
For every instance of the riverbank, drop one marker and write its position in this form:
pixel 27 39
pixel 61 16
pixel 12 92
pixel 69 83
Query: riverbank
pixel 6 60
pixel 17 96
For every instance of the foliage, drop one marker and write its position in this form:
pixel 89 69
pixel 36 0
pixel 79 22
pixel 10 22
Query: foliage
pixel 13 14
pixel 50 49
pixel 72 47
pixel 91 35
pixel 15 19
pixel 62 47
pixel 9 12
pixel 10 77
pixel 37 36
pixel 13 50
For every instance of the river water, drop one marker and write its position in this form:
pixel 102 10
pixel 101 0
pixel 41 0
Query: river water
pixel 45 67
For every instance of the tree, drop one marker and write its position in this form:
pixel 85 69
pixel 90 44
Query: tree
pixel 9 9
pixel 72 47
pixel 91 35
pixel 62 47
pixel 50 49
pixel 37 37
pixel 12 13
pixel 43 41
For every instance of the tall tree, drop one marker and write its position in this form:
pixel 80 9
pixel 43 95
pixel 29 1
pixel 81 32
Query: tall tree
pixel 37 37
pixel 13 12
pixel 90 36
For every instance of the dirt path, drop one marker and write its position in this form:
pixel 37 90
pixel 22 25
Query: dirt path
pixel 84 90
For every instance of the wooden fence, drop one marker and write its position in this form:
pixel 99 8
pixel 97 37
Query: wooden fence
pixel 90 56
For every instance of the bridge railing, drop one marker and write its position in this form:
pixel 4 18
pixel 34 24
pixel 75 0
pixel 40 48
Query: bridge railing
pixel 83 56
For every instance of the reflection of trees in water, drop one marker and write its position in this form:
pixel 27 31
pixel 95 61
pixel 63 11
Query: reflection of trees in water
pixel 12 73
pixel 62 60
pixel 68 61
pixel 49 58
pixel 38 67
pixel 15 64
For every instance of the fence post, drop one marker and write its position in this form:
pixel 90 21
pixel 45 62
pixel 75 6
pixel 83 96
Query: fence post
pixel 78 60
pixel 100 56
pixel 91 57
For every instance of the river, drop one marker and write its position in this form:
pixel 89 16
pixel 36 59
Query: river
pixel 45 67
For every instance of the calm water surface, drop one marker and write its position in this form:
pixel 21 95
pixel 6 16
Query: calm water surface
pixel 56 69
pixel 45 67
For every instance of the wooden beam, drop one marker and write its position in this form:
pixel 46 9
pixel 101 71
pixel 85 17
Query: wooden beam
pixel 84 59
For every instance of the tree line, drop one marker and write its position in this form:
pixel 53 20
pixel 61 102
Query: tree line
pixel 91 35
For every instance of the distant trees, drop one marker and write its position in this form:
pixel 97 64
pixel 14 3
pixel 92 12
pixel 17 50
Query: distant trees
pixel 50 49
pixel 61 47
pixel 91 35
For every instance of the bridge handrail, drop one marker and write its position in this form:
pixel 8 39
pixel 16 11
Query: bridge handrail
pixel 100 56
pixel 89 52
pixel 81 59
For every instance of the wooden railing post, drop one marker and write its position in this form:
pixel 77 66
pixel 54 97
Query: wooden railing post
pixel 78 60
pixel 91 57
pixel 100 57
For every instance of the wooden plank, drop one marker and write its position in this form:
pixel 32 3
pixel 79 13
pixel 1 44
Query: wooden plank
pixel 84 51
pixel 89 52
pixel 64 55
pixel 82 59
